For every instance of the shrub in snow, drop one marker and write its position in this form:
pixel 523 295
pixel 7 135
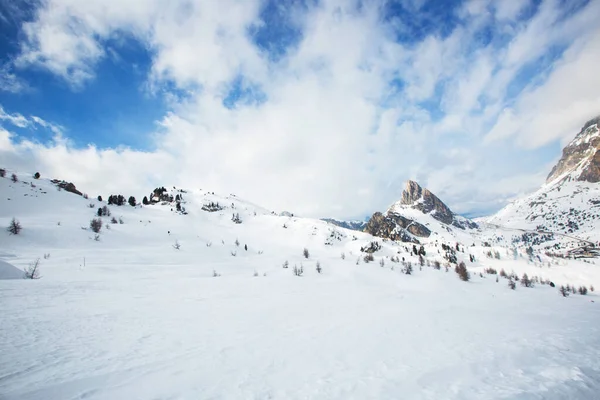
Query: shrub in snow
pixel 368 257
pixel 563 291
pixel 85 196
pixel 237 242
pixel 113 220
pixel 461 270
pixel 46 256
pixel 490 271
pixel 305 253
pixel 233 253
pixel 358 261
pixel 36 175
pixel 33 271
pixel 97 237
pixel 131 201
pixel 319 267
pixel 437 265
pixel 525 281
pixel 343 256
pixel 176 245
pixel 421 260
pixel 583 290
pixel 120 220
pixel 15 227
pixel 512 284
pixel 286 264
pixel 408 269
pixel 372 248
pixel 96 225
pixel 99 198
pixel 591 288
pixel 91 205
pixel 215 274
pixel 2 172
pixel 298 271
pixel 208 244
pixel 255 273
pixel 503 273
pixel 14 178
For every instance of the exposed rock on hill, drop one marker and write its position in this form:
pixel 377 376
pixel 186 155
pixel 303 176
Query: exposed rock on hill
pixel 68 186
pixel 581 158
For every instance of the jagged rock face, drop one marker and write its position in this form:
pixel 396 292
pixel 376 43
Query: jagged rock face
pixel 395 227
pixel 412 193
pixel 426 202
pixel 581 156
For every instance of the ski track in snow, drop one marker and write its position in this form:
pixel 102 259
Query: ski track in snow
pixel 142 320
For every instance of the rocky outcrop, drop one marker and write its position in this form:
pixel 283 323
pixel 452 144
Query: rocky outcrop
pixel 396 227
pixel 581 158
pixel 67 186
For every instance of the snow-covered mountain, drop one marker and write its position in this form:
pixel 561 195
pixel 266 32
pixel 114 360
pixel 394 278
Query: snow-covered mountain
pixel 352 225
pixel 417 216
pixel 569 202
pixel 197 295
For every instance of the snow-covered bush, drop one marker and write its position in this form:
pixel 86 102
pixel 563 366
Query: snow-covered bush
pixel 298 271
pixel 564 291
pixel 14 178
pixel 36 175
pixel 96 225
pixel 319 269
pixel 15 227
pixel 33 271
pixel 305 253
pixel 176 245
pixel 2 172
pixel 512 284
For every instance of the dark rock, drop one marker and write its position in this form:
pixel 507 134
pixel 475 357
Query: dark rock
pixel 68 186
pixel 396 227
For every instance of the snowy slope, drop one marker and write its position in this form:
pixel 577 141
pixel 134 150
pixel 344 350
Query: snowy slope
pixel 129 316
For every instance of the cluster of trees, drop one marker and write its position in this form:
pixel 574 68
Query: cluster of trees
pixel 420 251
pixel 235 218
pixel 212 207
pixel 119 200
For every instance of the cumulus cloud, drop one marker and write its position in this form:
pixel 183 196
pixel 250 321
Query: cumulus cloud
pixel 334 126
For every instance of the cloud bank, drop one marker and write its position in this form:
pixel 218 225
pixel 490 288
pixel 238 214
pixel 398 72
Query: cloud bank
pixel 324 107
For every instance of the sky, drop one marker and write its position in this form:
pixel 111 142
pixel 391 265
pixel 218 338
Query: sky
pixel 319 107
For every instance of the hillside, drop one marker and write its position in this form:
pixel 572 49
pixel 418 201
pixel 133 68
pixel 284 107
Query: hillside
pixel 171 304
pixel 569 202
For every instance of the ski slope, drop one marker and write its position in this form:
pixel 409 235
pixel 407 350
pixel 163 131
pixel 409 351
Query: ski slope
pixel 131 317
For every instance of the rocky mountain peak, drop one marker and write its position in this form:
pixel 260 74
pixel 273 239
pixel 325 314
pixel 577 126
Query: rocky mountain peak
pixel 412 193
pixel 581 158
pixel 425 201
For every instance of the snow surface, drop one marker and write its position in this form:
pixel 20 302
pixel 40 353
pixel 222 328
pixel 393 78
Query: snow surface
pixel 131 317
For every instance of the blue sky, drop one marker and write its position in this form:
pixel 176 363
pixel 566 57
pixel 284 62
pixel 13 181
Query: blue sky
pixel 321 107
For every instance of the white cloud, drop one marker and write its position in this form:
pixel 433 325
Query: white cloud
pixel 15 119
pixel 322 143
